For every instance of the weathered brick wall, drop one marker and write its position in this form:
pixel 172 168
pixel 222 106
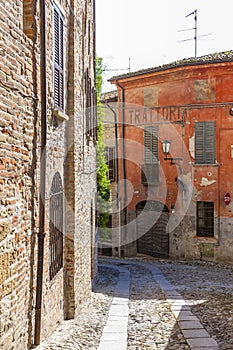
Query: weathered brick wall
pixel 68 152
pixel 74 158
pixel 84 155
pixel 16 164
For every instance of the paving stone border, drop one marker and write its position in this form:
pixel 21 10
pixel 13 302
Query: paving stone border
pixel 194 332
pixel 114 335
pixel 194 294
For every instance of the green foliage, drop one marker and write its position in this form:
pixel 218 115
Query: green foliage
pixel 103 184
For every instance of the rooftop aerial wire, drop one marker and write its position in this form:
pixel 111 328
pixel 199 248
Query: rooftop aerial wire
pixel 195 31
pixel 195 28
pixel 118 69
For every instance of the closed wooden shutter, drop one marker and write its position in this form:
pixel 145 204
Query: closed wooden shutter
pixel 151 144
pixel 58 60
pixel 205 142
pixel 210 142
pixel 150 168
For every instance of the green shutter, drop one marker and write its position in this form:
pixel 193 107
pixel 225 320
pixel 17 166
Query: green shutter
pixel 209 142
pixel 151 144
pixel 205 142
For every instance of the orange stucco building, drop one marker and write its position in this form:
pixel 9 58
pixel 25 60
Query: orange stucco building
pixel 176 202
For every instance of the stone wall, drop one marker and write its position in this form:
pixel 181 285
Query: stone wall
pixel 16 166
pixel 68 152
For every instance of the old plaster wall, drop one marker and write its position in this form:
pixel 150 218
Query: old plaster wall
pixel 181 96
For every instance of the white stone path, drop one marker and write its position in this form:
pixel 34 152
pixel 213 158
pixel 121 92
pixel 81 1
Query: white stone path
pixel 114 335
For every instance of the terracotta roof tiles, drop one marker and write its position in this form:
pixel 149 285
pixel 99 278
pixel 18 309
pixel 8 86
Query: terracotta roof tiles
pixel 226 56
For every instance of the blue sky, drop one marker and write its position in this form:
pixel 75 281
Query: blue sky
pixel 149 32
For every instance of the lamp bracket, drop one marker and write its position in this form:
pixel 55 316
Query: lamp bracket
pixel 172 160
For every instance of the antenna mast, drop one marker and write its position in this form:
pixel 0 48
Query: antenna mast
pixel 195 28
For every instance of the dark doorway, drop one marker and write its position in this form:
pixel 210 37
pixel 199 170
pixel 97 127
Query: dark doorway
pixel 153 238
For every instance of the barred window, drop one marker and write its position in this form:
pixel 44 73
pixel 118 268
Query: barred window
pixel 56 226
pixel 58 26
pixel 205 142
pixel 205 219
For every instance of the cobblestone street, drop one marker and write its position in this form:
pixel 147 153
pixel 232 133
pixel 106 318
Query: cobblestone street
pixel 168 305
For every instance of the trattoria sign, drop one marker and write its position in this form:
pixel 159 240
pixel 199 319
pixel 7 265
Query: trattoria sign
pixel 155 115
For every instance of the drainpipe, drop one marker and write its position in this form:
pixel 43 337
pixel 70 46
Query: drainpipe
pixel 116 137
pixel 123 154
pixel 94 38
pixel 117 178
pixel 41 234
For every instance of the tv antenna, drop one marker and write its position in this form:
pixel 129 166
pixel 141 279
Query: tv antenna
pixel 195 31
pixel 118 69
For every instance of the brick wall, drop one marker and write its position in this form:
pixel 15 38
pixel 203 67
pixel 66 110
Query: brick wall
pixel 16 162
pixel 68 152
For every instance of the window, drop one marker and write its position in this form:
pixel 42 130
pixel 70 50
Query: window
pixel 58 60
pixel 205 219
pixel 56 226
pixel 151 144
pixel 91 112
pixel 150 168
pixel 111 161
pixel 205 143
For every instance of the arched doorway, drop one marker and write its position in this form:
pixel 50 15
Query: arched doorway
pixel 152 236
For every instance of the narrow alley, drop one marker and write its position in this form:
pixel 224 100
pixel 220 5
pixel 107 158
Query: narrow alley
pixel 146 303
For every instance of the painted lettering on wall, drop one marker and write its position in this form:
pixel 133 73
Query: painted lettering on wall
pixel 155 115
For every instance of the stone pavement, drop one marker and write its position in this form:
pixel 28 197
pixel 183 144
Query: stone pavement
pixel 151 304
pixel 114 335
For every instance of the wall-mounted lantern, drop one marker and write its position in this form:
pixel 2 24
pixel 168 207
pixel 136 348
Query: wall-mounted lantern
pixel 227 198
pixel 166 149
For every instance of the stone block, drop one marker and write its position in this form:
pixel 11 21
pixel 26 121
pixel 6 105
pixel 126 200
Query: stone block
pixel 5 228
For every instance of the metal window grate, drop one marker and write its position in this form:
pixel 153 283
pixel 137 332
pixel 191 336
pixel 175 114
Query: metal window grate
pixel 56 226
pixel 205 219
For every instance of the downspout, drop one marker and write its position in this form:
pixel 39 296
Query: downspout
pixel 116 137
pixel 123 154
pixel 117 178
pixel 41 234
pixel 94 38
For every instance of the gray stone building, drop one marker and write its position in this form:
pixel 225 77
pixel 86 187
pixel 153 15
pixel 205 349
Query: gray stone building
pixel 47 165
